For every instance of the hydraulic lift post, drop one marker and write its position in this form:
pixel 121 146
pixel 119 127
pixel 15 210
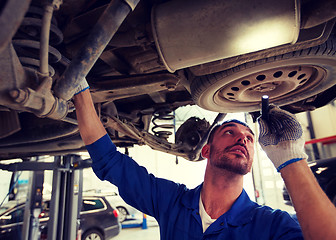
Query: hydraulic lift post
pixel 66 199
pixel 70 199
pixel 33 206
pixel 65 204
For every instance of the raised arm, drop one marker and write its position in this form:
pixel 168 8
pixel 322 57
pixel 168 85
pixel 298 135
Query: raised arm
pixel 136 186
pixel 282 139
pixel 316 214
pixel 90 126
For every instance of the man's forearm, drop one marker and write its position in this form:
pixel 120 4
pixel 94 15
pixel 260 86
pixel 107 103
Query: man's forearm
pixel 316 214
pixel 90 126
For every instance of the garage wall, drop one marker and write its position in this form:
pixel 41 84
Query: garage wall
pixel 4 184
pixel 323 121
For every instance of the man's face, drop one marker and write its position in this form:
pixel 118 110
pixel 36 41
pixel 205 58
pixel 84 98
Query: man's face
pixel 232 148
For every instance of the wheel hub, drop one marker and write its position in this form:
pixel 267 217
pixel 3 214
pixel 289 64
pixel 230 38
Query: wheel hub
pixel 266 87
pixel 273 82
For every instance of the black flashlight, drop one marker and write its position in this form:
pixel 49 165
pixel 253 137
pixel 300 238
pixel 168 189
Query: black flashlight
pixel 265 107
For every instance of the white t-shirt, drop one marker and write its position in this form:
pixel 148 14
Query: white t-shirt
pixel 206 219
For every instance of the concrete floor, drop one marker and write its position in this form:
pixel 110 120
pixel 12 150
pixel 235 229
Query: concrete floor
pixel 151 233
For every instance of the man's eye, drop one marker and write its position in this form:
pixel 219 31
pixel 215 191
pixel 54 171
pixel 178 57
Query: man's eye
pixel 250 139
pixel 228 132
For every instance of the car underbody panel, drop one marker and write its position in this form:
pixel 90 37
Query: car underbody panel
pixel 145 59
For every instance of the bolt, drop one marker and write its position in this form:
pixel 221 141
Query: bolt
pixel 170 86
pixel 18 95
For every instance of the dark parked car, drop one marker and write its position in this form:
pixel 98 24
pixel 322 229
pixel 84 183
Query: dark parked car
pixel 144 59
pixel 325 173
pixel 94 209
pixel 125 211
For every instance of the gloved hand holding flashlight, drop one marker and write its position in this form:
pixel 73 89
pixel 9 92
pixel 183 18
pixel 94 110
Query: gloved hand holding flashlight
pixel 281 137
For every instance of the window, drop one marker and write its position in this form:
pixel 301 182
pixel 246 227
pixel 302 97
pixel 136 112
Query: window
pixel 16 216
pixel 92 204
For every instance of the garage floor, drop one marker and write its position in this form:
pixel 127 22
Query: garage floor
pixel 151 233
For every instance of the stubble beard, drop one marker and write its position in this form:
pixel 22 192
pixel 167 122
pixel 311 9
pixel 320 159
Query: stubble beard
pixel 230 163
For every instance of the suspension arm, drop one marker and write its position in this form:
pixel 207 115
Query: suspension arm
pixel 100 36
pixel 144 137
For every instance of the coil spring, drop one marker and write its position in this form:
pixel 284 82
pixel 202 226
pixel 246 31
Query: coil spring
pixel 163 119
pixel 26 42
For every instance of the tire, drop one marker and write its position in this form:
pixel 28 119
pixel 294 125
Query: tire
pixel 122 214
pixel 287 79
pixel 92 235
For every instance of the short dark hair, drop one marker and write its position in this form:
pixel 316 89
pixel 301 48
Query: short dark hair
pixel 214 129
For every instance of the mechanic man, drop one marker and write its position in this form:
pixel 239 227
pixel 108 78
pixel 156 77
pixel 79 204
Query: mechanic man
pixel 219 208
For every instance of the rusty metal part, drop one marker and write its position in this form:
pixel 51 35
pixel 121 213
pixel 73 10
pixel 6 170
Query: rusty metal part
pixel 12 76
pixel 28 55
pixel 10 18
pixel 41 102
pixel 110 89
pixel 186 146
pixel 106 27
pixel 44 39
pixel 32 27
pixel 144 137
pixel 31 64
pixel 197 150
pixel 35 52
pixel 143 59
pixel 190 133
pixel 31 48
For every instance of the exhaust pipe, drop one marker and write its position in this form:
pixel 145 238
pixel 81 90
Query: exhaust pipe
pixel 193 32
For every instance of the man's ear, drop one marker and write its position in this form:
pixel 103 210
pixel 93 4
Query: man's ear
pixel 205 151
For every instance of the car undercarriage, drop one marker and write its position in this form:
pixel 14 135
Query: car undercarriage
pixel 145 59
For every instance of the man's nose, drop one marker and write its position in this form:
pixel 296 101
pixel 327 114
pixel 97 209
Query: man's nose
pixel 242 138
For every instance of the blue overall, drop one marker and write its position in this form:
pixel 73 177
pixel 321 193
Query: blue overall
pixel 176 208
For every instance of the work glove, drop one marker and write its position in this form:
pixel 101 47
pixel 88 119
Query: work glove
pixel 83 85
pixel 281 137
